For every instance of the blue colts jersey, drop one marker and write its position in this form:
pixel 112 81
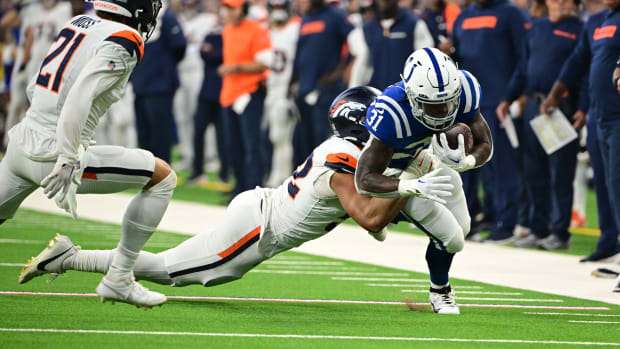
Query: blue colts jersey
pixel 391 120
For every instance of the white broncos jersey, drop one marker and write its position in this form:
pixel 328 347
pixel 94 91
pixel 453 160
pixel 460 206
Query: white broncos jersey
pixel 85 71
pixel 305 207
pixel 45 24
pixel 284 42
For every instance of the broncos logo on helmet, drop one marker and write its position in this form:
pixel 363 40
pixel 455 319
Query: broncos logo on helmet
pixel 346 108
pixel 348 113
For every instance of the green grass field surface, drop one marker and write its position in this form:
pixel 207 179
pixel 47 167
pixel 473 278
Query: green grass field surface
pixel 280 314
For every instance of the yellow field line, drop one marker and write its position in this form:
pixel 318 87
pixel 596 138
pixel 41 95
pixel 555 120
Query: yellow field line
pixel 585 231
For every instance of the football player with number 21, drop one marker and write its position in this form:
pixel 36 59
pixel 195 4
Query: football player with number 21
pixel 409 115
pixel 85 71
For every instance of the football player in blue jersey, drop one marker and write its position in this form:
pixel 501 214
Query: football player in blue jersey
pixel 403 121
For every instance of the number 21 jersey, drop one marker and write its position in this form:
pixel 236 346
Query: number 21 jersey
pixel 97 54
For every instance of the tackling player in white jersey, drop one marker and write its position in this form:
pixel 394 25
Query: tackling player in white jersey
pixel 280 110
pixel 85 71
pixel 433 94
pixel 261 223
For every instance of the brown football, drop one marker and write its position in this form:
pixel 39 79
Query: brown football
pixel 454 131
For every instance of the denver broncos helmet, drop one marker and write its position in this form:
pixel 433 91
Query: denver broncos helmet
pixel 347 113
pixel 143 12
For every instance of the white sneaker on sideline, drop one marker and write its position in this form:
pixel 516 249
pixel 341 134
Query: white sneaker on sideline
pixel 442 301
pixel 50 260
pixel 128 290
pixel 521 232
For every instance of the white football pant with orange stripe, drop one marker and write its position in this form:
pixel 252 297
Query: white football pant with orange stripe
pixel 223 254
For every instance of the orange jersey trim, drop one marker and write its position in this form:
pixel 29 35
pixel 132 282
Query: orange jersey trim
pixel 312 28
pixel 131 36
pixel 607 31
pixel 342 158
pixel 479 22
pixel 88 175
pixel 564 34
pixel 240 243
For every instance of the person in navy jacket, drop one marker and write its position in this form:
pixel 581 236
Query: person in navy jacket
pixel 548 179
pixel 320 61
pixel 209 110
pixel 391 36
pixel 596 54
pixel 488 40
pixel 155 80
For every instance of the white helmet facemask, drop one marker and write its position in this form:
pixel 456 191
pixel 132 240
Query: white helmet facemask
pixel 433 88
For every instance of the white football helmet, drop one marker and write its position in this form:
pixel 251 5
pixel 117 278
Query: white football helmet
pixel 433 88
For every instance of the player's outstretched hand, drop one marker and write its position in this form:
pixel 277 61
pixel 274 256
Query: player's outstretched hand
pixel 456 159
pixel 431 186
pixel 58 181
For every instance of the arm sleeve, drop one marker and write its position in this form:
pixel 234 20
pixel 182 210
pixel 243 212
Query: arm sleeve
pixel 96 78
pixel 578 63
pixel 213 57
pixel 174 37
pixel 422 36
pixel 344 28
pixel 518 35
pixel 454 36
pixel 584 95
pixel 361 71
pixel 517 84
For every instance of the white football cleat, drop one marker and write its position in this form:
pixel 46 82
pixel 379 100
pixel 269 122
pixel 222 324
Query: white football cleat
pixel 442 301
pixel 50 260
pixel 128 290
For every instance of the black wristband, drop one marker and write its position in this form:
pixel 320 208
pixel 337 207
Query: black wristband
pixel 618 63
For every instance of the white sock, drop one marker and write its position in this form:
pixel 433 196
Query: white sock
pixel 96 261
pixel 149 266
pixel 139 222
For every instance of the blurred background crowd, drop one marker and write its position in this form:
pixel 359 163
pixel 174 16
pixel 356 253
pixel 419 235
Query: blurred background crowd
pixel 237 92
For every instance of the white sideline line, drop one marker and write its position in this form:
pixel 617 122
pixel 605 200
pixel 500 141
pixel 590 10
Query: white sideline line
pixel 291 258
pixel 472 292
pixel 302 336
pixel 511 299
pixel 28 242
pixel 292 300
pixel 593 322
pixel 378 279
pixel 317 267
pixel 572 314
pixel 426 284
pixel 303 263
pixel 324 272
pixel 12 265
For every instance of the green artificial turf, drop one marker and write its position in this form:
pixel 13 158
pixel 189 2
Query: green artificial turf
pixel 220 323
